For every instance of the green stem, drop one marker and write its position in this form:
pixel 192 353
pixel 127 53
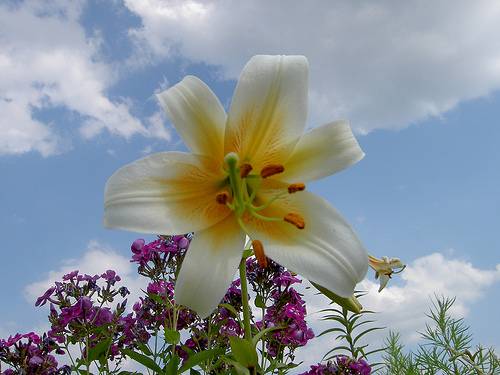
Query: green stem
pixel 244 299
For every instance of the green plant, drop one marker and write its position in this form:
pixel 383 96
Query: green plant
pixel 349 327
pixel 447 348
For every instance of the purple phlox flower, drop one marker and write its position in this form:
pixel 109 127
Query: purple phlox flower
pixel 321 369
pixel 286 279
pixel 79 310
pixel 56 335
pixel 32 336
pixel 360 366
pixel 102 316
pixel 45 297
pixel 88 278
pixel 70 276
pixel 111 277
pixel 12 340
pixel 137 245
pixel 142 256
pixel 35 361
pixel 182 242
pixel 137 306
pixel 124 291
pixel 162 288
pixel 233 294
pixel 230 328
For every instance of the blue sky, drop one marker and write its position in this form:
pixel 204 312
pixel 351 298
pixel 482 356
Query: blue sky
pixel 78 104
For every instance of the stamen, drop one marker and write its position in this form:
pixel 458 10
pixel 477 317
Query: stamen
pixel 222 197
pixel 245 170
pixel 293 188
pixel 271 169
pixel 258 250
pixel 295 219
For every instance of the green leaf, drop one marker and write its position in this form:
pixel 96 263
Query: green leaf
pixel 144 348
pixel 259 302
pixel 229 307
pixel 143 360
pixel 197 358
pixel 351 303
pixel 99 350
pixel 157 298
pixel 238 369
pixel 172 365
pixel 262 333
pixel 194 372
pixel 244 352
pixel 172 336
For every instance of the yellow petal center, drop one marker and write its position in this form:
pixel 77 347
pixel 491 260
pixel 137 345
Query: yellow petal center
pixel 243 186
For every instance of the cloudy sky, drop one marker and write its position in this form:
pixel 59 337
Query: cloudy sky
pixel 419 83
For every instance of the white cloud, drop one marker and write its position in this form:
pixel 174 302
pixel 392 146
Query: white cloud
pixel 402 308
pixel 383 64
pixel 47 62
pixel 97 259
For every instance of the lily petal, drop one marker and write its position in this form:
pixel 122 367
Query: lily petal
pixel 209 266
pixel 322 152
pixel 197 115
pixel 268 110
pixel 166 193
pixel 326 251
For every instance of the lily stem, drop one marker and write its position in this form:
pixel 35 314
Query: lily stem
pixel 244 299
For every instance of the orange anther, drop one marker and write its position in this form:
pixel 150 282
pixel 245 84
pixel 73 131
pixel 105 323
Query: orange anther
pixel 293 188
pixel 222 197
pixel 295 219
pixel 245 169
pixel 258 250
pixel 271 169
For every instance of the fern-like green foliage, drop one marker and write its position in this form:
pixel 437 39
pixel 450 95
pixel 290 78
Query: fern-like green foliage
pixel 447 349
pixel 349 328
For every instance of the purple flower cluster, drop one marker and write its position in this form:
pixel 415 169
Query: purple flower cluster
pixel 342 365
pixel 159 258
pixel 79 313
pixel 286 309
pixel 90 310
pixel 156 309
pixel 30 354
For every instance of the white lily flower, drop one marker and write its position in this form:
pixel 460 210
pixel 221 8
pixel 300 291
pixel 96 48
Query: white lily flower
pixel 384 269
pixel 245 176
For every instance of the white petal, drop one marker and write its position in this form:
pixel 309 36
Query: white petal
pixel 197 115
pixel 322 152
pixel 164 193
pixel 268 110
pixel 209 266
pixel 326 251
